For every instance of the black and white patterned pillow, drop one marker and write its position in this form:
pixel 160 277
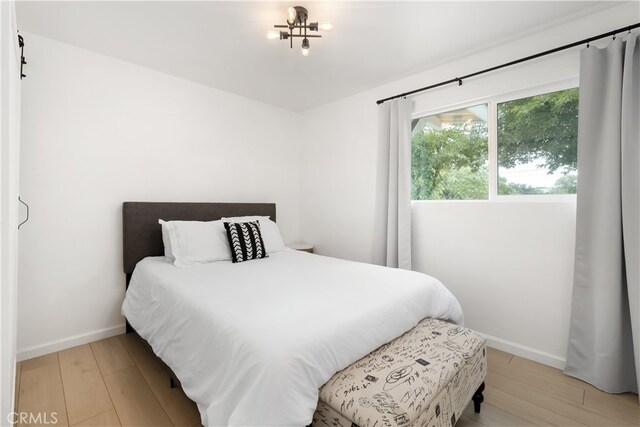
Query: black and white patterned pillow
pixel 245 241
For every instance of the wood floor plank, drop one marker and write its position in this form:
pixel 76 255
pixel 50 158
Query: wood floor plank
pixel 134 401
pixel 41 394
pixel 111 355
pixel 560 388
pixel 609 405
pixel 36 362
pixel 495 356
pixel 548 371
pixel 580 413
pixel 465 421
pixel 16 391
pixel 626 398
pixel 84 389
pixel 106 419
pixel 535 415
pixel 493 416
pixel 181 410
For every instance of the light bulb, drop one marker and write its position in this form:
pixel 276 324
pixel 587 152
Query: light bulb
pixel 272 35
pixel 326 26
pixel 305 47
pixel 291 16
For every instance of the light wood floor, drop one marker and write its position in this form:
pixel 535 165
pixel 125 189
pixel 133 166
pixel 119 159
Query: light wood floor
pixel 119 381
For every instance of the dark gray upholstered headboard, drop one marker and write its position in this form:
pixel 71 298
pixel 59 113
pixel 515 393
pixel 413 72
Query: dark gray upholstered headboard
pixel 142 234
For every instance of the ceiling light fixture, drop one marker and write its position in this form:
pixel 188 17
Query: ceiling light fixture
pixel 297 27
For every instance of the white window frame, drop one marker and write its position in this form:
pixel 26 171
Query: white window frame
pixel 492 102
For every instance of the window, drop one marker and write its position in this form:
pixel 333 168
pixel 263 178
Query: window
pixel 533 141
pixel 449 155
pixel 537 144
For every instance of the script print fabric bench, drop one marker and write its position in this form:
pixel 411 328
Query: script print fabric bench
pixel 426 377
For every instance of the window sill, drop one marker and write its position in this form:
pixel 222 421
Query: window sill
pixel 559 198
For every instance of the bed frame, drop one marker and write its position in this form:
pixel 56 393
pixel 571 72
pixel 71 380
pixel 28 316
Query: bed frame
pixel 142 235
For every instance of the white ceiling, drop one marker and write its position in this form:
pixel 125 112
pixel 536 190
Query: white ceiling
pixel 223 44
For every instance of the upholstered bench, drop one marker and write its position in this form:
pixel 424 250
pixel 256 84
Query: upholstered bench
pixel 425 377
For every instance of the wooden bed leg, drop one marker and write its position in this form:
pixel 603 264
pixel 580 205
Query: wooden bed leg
pixel 172 382
pixel 478 398
pixel 128 329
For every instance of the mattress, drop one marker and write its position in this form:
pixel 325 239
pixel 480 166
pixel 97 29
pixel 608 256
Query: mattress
pixel 424 378
pixel 253 342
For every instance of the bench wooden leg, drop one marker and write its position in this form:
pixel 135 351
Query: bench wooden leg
pixel 478 398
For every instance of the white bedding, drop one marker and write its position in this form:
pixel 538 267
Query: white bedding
pixel 252 342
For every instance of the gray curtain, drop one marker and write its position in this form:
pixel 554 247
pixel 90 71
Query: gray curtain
pixel 392 224
pixel 603 340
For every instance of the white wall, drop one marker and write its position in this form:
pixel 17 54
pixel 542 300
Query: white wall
pixel 509 263
pixel 97 132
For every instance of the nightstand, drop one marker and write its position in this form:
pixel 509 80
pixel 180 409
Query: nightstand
pixel 304 247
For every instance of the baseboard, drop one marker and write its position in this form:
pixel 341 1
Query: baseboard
pixel 526 352
pixel 65 343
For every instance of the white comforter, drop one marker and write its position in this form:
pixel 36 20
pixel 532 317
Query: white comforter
pixel 252 342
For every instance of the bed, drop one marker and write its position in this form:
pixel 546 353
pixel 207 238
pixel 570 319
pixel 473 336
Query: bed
pixel 252 343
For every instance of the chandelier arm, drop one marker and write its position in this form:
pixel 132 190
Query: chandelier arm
pixel 309 27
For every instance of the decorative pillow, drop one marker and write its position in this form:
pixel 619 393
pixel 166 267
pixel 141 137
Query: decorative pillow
pixel 197 242
pixel 245 241
pixel 271 236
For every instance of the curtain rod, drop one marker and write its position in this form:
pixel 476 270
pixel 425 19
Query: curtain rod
pixel 508 64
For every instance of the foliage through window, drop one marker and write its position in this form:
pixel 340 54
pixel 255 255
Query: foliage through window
pixel 450 154
pixel 536 149
pixel 538 144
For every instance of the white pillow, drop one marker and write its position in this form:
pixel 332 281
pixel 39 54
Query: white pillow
pixel 198 242
pixel 271 236
pixel 166 241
